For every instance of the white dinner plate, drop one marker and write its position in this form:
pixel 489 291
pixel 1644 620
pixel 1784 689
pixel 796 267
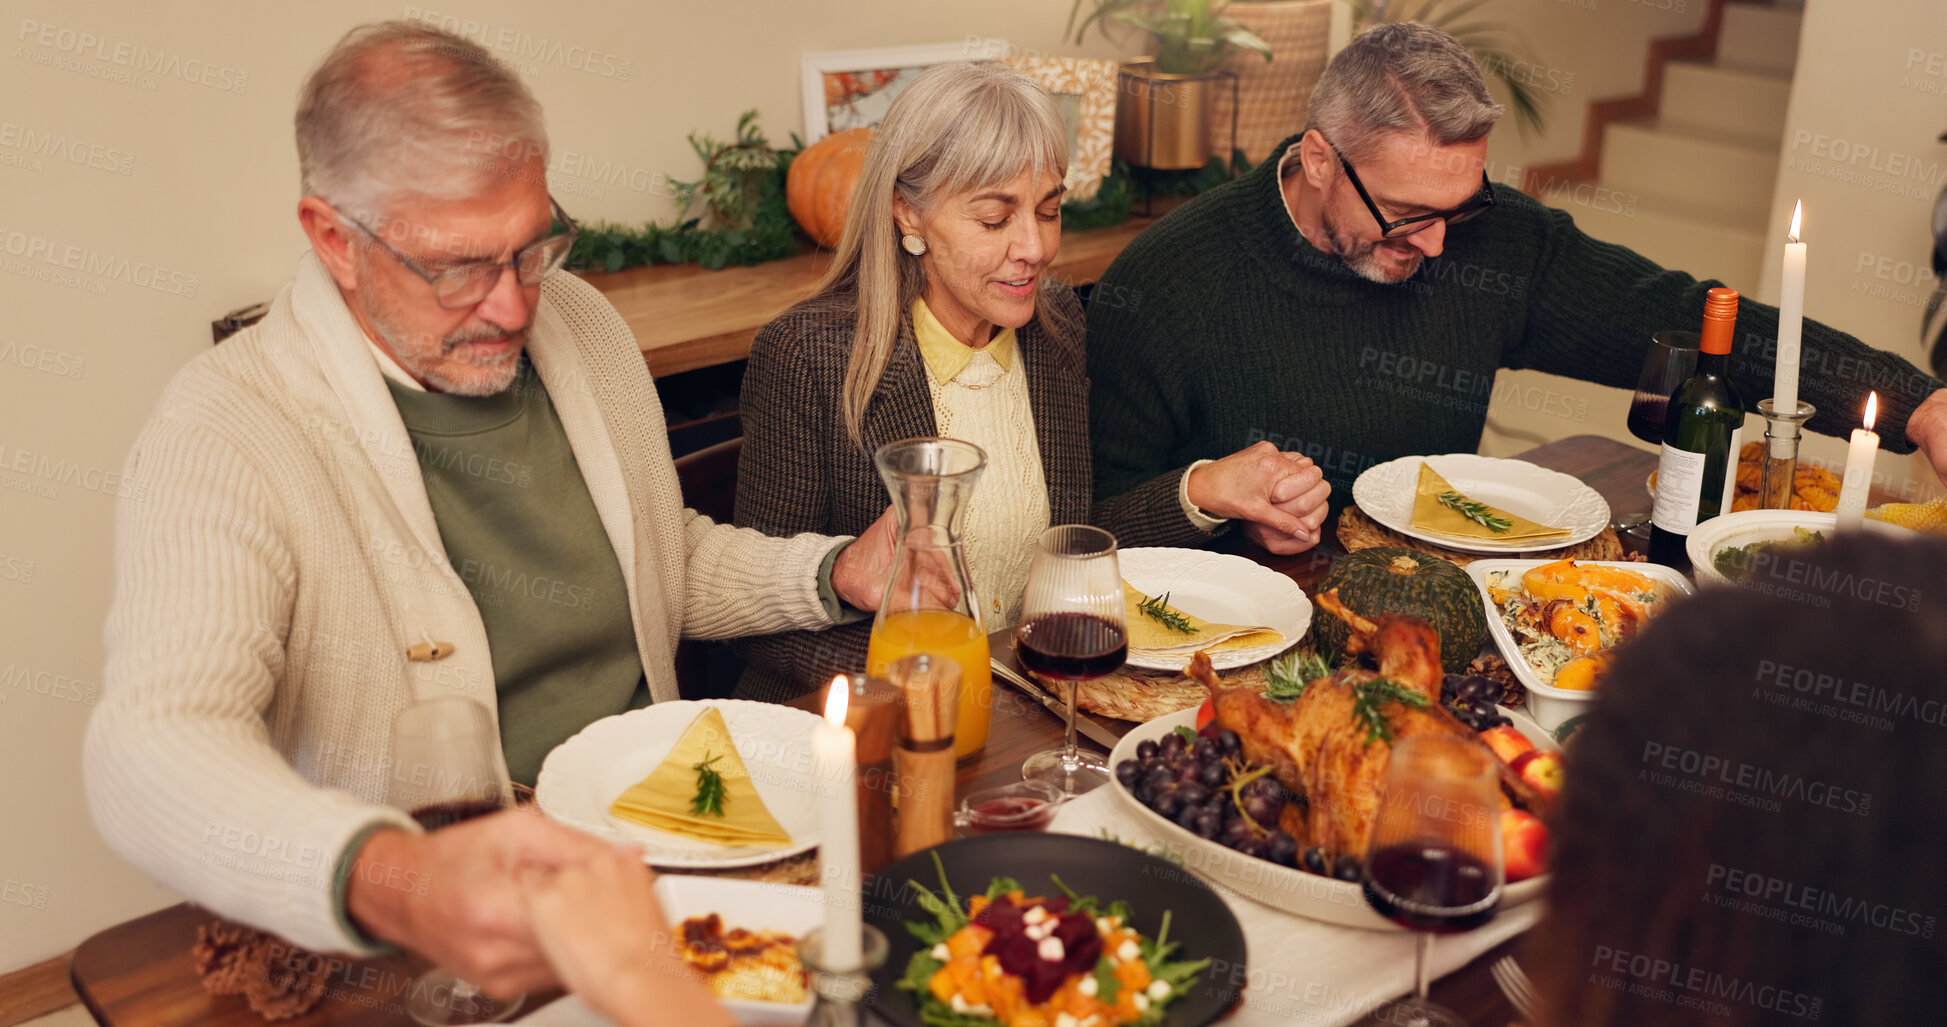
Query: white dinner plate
pixel 584 775
pixel 1385 492
pixel 1281 887
pixel 1551 706
pixel 752 905
pixel 1221 589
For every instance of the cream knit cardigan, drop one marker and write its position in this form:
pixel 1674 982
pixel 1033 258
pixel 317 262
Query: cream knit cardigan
pixel 277 556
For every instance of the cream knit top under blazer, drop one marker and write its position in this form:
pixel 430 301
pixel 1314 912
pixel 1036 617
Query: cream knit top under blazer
pixel 986 404
pixel 276 556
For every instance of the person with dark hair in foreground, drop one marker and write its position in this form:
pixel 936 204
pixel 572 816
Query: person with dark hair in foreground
pixel 1751 830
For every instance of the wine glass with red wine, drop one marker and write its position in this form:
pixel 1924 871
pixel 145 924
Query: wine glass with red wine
pixel 1072 630
pixel 1671 358
pixel 446 771
pixel 1434 862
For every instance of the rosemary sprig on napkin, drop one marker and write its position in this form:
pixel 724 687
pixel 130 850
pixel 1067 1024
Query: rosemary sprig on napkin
pixel 709 787
pixel 1476 512
pixel 1365 705
pixel 1157 608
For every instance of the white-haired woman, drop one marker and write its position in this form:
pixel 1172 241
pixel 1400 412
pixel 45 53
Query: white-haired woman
pixel 938 317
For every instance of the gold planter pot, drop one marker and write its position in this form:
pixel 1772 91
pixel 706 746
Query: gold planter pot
pixel 1164 121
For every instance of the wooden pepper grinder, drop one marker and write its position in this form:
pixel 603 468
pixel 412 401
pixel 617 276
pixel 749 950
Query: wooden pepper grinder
pixel 924 762
pixel 874 712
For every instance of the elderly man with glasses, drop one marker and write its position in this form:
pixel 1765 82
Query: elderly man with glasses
pixel 435 468
pixel 1351 298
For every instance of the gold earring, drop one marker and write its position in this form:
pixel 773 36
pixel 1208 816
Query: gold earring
pixel 913 244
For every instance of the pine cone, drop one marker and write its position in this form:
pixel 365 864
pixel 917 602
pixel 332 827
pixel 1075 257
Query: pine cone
pixel 278 980
pixel 220 952
pixel 1492 667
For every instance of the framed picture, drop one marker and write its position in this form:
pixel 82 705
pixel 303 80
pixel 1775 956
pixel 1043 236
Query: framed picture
pixel 852 88
pixel 1084 89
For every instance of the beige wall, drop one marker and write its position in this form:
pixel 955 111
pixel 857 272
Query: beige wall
pixel 178 203
pixel 1868 105
pixel 200 182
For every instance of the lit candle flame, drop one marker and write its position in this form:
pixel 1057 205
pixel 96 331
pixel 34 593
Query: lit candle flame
pixel 1798 211
pixel 1872 409
pixel 836 700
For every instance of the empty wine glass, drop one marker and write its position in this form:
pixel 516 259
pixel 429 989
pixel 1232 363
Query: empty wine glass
pixel 446 770
pixel 1434 862
pixel 1072 630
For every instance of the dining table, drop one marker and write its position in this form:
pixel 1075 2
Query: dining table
pixel 141 973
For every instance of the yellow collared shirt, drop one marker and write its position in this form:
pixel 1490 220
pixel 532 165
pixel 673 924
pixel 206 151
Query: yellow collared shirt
pixel 947 356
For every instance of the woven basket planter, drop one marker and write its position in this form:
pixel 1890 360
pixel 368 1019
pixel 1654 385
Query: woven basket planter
pixel 1271 96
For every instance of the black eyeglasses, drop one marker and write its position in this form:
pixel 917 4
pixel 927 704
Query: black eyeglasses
pixel 1407 226
pixel 469 283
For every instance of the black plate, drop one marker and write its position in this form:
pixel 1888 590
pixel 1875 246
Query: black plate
pixel 1198 916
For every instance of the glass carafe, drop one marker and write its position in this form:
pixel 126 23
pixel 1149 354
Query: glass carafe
pixel 929 604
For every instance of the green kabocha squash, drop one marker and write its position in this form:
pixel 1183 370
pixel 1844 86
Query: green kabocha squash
pixel 1390 579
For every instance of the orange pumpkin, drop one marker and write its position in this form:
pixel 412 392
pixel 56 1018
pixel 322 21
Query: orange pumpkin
pixel 819 187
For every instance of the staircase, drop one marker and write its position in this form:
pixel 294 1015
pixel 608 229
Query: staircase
pixel 1702 169
pixel 1695 181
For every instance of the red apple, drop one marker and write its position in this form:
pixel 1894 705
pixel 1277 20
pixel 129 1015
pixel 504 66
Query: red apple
pixel 1541 768
pixel 1507 743
pixel 1206 713
pixel 1524 845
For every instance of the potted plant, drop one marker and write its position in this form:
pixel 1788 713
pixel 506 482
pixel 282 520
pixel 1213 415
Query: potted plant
pixel 1272 97
pixel 1163 116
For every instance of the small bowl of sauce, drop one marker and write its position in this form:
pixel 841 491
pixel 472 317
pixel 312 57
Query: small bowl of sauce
pixel 1021 806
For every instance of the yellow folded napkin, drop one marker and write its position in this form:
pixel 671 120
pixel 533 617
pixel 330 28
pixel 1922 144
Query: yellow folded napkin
pixel 1430 514
pixel 1149 634
pixel 662 800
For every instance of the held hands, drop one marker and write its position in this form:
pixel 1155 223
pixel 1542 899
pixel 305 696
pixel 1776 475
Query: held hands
pixel 606 935
pixel 1281 495
pixel 455 895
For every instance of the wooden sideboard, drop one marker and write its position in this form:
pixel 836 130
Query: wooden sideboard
pixel 687 318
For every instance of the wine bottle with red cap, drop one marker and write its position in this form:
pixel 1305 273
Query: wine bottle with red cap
pixel 1702 431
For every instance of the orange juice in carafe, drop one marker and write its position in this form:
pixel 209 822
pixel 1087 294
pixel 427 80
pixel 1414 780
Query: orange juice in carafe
pixel 952 636
pixel 929 604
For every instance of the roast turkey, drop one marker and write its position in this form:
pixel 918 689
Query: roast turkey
pixel 1325 755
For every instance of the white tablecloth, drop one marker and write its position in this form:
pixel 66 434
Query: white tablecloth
pixel 1300 971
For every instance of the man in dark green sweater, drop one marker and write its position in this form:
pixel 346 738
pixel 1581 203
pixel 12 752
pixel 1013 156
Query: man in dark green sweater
pixel 1351 299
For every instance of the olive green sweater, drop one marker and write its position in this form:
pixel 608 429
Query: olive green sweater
pixel 1220 326
pixel 521 530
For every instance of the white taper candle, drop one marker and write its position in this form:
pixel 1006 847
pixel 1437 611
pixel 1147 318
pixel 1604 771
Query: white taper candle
pixel 1791 321
pixel 834 752
pixel 1851 511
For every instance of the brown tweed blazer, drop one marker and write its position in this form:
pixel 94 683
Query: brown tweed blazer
pixel 800 471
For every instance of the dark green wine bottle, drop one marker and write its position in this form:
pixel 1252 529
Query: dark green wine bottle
pixel 1702 430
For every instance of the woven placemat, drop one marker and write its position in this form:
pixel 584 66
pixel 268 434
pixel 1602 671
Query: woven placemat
pixel 1141 695
pixel 1358 531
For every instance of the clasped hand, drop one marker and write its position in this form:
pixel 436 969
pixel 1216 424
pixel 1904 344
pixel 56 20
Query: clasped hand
pixel 514 902
pixel 1280 496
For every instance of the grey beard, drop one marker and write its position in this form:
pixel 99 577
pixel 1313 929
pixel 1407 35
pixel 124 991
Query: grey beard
pixel 501 369
pixel 1360 257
